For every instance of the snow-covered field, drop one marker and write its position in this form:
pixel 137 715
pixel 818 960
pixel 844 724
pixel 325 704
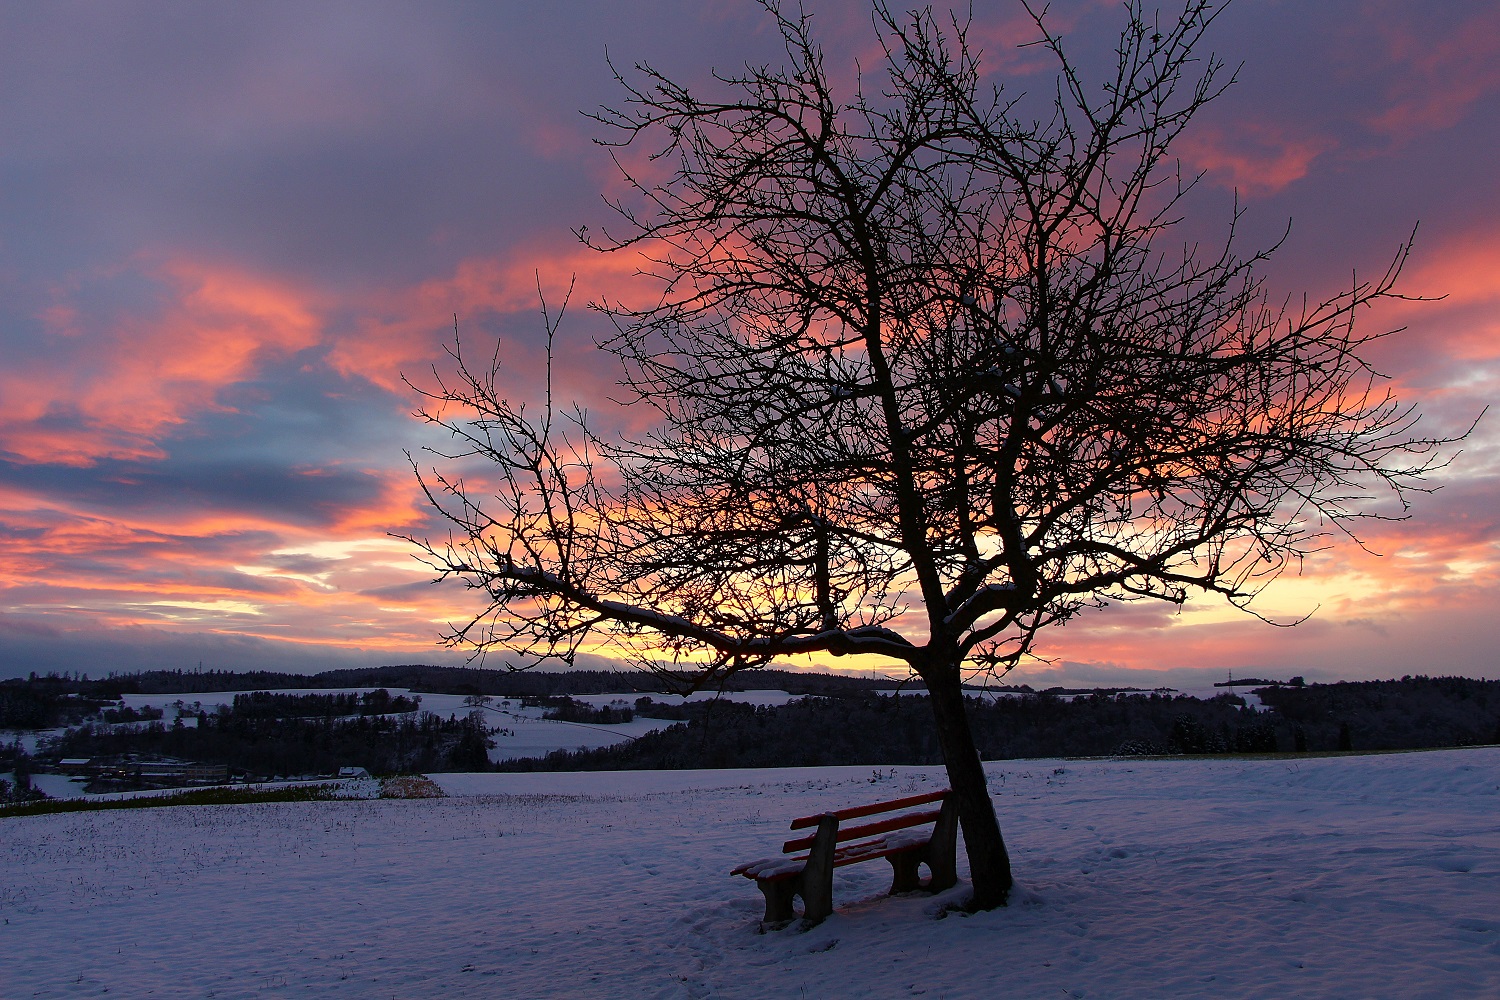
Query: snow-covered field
pixel 1369 876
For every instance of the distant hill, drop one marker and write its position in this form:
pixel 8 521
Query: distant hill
pixel 433 679
pixel 1412 713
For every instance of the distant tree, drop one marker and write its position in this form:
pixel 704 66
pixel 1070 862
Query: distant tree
pixel 928 378
pixel 470 753
pixel 21 767
pixel 1191 736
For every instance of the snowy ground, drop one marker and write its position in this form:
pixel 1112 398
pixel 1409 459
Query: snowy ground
pixel 1368 876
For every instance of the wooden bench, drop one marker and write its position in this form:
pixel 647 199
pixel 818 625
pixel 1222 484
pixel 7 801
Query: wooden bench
pixel 895 838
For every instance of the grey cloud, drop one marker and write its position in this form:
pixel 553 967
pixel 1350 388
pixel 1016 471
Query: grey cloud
pixel 27 646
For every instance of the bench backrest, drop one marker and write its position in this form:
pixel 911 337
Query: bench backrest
pixel 868 829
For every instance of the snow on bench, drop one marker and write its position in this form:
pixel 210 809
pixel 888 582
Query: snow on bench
pixel 895 838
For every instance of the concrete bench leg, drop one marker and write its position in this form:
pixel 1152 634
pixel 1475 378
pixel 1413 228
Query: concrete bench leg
pixel 778 900
pixel 942 849
pixel 817 876
pixel 905 873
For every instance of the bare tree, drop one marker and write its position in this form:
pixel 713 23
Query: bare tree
pixel 928 380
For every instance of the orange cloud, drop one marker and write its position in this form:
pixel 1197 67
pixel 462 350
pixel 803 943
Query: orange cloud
pixel 106 388
pixel 399 505
pixel 1448 342
pixel 1446 558
pixel 224 320
pixel 1467 273
pixel 220 574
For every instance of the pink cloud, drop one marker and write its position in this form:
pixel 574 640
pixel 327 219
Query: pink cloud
pixel 1440 75
pixel 406 328
pixel 1253 157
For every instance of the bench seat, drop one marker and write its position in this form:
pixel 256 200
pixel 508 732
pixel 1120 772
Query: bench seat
pixel 850 854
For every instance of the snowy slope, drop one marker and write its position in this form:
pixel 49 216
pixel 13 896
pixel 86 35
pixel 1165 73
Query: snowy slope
pixel 1369 876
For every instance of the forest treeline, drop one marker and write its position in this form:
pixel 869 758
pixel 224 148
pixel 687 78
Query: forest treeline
pixel 273 705
pixel 44 701
pixel 1412 713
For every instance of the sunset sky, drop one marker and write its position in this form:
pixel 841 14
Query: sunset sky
pixel 227 231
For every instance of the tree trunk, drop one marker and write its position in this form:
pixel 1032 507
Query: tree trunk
pixel 989 862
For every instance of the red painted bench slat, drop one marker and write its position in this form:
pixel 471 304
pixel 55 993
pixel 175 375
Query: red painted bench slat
pixel 879 807
pixel 868 830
